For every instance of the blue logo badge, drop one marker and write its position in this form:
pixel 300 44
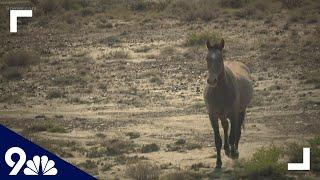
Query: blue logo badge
pixel 22 159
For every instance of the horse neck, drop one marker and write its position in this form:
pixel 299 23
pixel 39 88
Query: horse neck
pixel 222 80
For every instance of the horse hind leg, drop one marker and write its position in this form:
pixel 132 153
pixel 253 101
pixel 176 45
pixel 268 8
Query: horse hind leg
pixel 234 134
pixel 217 139
pixel 241 121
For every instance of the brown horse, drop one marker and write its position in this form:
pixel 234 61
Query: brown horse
pixel 227 95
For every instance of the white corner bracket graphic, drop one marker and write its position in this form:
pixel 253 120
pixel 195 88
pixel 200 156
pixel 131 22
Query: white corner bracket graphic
pixel 305 165
pixel 14 14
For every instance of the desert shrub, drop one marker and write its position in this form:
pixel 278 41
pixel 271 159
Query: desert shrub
pixel 118 147
pixel 69 80
pixel 146 5
pixel 12 73
pixel 53 94
pixel 87 12
pixel 12 63
pixel 233 3
pixel 106 167
pixel 313 77
pixel 193 10
pixel 142 170
pixel 90 166
pixel 315 153
pixel 74 4
pixel 10 98
pixel 294 152
pixel 182 175
pixel 111 40
pixel 133 135
pixel 118 54
pixel 247 12
pixel 200 38
pixel 156 80
pixel 291 3
pixel 46 125
pixel 264 163
pixel 63 148
pixel 20 58
pixel 96 152
pixel 150 148
pixel 49 6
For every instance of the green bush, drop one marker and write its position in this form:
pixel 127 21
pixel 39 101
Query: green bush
pixel 264 163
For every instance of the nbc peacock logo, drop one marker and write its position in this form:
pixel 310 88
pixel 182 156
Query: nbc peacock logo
pixel 40 166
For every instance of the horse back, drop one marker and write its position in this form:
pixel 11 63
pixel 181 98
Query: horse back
pixel 244 82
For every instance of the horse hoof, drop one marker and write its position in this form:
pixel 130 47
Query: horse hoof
pixel 218 164
pixel 235 154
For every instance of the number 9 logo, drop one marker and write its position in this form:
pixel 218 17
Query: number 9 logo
pixel 16 166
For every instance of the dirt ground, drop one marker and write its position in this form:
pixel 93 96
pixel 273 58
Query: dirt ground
pixel 132 90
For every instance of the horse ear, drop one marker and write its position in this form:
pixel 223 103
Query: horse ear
pixel 221 45
pixel 209 46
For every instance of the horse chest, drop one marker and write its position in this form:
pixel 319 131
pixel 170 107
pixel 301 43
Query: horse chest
pixel 220 100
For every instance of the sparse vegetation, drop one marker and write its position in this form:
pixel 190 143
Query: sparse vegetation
pixel 67 80
pixel 89 165
pixel 63 148
pixel 118 54
pixel 45 125
pixel 148 148
pixel 182 145
pixel 143 170
pixel 111 40
pixel 264 163
pixel 200 38
pixel 182 175
pixel 19 58
pixel 133 135
pixel 118 147
pixel 12 73
pixel 54 94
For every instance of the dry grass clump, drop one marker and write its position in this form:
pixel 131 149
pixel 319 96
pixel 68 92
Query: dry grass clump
pixel 52 6
pixel 145 5
pixel 291 3
pixel 182 175
pixel 118 147
pixel 143 170
pixel 148 148
pixel 46 125
pixel 13 63
pixel 200 38
pixel 19 58
pixel 193 10
pixel 118 54
pixel 54 94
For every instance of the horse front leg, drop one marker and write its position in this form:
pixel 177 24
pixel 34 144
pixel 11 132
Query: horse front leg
pixel 217 138
pixel 225 126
